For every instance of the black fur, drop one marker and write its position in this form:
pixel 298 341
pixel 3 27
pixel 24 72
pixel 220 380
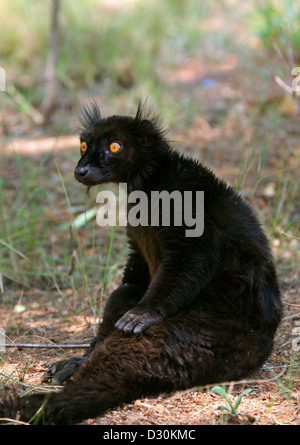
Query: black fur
pixel 190 311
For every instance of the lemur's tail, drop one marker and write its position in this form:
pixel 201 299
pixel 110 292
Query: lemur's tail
pixel 166 357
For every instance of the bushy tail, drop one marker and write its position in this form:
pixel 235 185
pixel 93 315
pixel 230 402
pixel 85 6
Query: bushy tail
pixel 27 409
pixel 71 405
pixel 167 357
pixel 118 371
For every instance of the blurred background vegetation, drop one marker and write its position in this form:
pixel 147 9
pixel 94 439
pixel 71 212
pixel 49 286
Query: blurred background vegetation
pixel 219 74
pixel 136 45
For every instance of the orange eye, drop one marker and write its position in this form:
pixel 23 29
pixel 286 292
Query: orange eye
pixel 114 147
pixel 83 146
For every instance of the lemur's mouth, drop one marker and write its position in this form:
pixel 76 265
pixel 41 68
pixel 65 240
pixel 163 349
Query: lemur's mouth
pixel 89 175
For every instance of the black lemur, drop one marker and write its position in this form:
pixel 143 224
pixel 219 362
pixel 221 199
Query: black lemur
pixel 190 310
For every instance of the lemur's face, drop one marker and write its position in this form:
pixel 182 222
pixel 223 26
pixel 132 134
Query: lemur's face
pixel 114 149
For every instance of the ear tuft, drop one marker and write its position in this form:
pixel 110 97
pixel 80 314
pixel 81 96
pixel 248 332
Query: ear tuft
pixel 147 125
pixel 149 128
pixel 89 115
pixel 147 134
pixel 144 111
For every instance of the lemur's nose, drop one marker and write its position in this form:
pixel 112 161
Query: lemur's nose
pixel 81 172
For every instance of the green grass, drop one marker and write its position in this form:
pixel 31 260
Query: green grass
pixel 230 408
pixel 277 23
pixel 23 229
pixel 48 236
pixel 28 257
pixel 123 45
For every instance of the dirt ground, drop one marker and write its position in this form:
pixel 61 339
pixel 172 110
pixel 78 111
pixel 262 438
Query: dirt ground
pixel 275 389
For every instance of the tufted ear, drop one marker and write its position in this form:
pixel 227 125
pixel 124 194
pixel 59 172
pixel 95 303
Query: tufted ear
pixel 146 125
pixel 149 130
pixel 89 115
pixel 147 134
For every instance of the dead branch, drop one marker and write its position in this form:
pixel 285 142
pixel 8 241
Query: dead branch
pixel 29 345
